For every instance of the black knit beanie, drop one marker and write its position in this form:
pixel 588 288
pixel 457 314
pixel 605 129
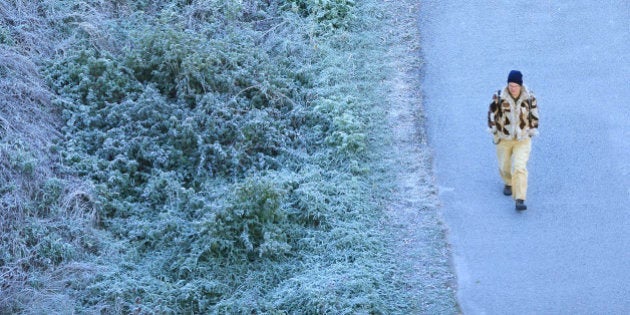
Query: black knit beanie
pixel 516 77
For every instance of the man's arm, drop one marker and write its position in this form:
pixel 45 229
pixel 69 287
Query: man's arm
pixel 492 112
pixel 533 116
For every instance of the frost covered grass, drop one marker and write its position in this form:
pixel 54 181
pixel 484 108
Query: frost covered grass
pixel 206 156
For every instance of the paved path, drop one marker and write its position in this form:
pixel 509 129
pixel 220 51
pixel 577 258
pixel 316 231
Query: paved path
pixel 570 252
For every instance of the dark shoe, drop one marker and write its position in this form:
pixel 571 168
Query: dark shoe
pixel 520 205
pixel 507 190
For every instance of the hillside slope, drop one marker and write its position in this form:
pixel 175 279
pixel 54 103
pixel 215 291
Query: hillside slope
pixel 216 157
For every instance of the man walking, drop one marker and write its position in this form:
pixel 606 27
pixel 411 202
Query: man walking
pixel 513 120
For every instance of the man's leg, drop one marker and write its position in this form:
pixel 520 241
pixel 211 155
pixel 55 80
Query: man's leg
pixel 504 157
pixel 519 174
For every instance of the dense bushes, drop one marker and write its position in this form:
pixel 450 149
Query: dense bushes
pixel 202 143
pixel 208 156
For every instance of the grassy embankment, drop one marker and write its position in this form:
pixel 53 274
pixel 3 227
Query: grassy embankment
pixel 196 157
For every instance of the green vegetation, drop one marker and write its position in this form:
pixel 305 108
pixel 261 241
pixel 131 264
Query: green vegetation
pixel 209 156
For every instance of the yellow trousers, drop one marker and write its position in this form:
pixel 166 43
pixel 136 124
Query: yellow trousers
pixel 513 156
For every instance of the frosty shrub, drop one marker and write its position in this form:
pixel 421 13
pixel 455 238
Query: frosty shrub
pixel 206 156
pixel 329 14
pixel 194 137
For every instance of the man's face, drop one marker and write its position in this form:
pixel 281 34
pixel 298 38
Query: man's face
pixel 515 89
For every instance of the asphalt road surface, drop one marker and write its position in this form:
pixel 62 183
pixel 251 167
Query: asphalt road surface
pixel 569 253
